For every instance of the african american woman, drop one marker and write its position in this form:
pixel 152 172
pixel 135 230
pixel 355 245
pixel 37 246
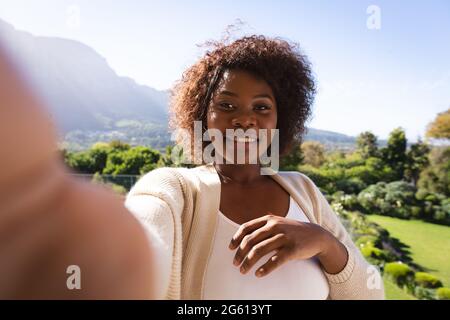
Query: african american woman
pixel 226 228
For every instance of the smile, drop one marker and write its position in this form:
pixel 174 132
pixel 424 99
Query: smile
pixel 242 139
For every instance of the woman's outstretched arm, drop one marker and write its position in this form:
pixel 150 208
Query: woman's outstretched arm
pixel 61 238
pixel 157 200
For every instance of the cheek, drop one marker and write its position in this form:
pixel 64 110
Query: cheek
pixel 271 122
pixel 213 120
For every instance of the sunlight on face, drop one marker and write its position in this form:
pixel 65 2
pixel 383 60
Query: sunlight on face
pixel 243 110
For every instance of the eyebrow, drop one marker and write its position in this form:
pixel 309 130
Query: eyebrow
pixel 228 93
pixel 262 95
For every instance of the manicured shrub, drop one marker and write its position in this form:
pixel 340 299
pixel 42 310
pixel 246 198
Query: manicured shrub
pixel 369 197
pixel 443 293
pixel 421 194
pixel 427 280
pixel 415 212
pixel 373 252
pixel 348 201
pixel 399 272
pixel 442 212
pixel 424 293
pixel 368 240
pixel 393 199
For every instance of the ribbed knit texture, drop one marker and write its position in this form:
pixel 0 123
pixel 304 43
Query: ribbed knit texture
pixel 180 211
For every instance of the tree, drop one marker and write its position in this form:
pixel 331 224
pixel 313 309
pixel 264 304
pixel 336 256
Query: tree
pixel 136 161
pixel 119 145
pixel 292 160
pixel 173 157
pixel 416 161
pixel 313 153
pixel 436 177
pixel 394 154
pixel 81 162
pixel 99 155
pixel 440 127
pixel 367 145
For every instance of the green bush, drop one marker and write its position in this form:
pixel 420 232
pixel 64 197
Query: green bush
pixel 399 272
pixel 427 280
pixel 317 176
pixel 368 240
pixel 443 293
pixel 360 226
pixel 350 185
pixel 369 229
pixel 442 212
pixel 373 252
pixel 348 201
pixel 393 199
pixel 424 293
pixel 421 194
pixel 114 158
pixel 416 212
pixel 369 197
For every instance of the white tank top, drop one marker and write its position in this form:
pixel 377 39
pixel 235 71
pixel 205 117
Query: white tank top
pixel 302 279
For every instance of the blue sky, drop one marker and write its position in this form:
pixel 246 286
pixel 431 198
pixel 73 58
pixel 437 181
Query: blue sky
pixel 368 79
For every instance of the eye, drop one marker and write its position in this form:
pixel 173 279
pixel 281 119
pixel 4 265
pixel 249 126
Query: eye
pixel 226 106
pixel 262 107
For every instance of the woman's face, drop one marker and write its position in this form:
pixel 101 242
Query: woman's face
pixel 242 101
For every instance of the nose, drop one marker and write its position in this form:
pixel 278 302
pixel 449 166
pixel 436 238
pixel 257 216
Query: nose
pixel 244 121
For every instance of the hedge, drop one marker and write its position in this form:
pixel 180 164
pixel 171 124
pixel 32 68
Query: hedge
pixel 443 293
pixel 368 240
pixel 399 272
pixel 427 280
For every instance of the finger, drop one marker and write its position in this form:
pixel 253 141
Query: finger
pixel 279 258
pixel 260 250
pixel 249 241
pixel 247 228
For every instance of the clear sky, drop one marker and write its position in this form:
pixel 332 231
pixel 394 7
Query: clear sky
pixel 377 68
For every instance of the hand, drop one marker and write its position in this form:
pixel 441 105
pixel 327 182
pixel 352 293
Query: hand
pixel 290 239
pixel 52 220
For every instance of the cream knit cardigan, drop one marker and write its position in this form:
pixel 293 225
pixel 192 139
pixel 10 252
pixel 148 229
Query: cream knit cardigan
pixel 178 209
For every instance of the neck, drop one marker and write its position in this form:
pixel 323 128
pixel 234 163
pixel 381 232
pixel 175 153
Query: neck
pixel 242 174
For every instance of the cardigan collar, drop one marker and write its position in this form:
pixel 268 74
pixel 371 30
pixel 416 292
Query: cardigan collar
pixel 287 180
pixel 203 225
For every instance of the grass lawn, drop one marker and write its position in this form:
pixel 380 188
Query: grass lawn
pixel 393 292
pixel 429 244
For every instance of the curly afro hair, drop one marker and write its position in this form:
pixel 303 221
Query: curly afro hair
pixel 279 62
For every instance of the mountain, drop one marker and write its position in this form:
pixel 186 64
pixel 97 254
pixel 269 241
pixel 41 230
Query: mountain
pixel 330 139
pixel 79 86
pixel 90 102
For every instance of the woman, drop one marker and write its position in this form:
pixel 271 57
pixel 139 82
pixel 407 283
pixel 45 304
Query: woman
pixel 227 229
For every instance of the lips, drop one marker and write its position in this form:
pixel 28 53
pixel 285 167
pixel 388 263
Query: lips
pixel 245 139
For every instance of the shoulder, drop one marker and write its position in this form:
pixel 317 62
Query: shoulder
pixel 164 173
pixel 189 176
pixel 160 178
pixel 167 183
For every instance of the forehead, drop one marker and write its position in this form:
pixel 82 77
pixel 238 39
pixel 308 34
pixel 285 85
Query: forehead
pixel 243 82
